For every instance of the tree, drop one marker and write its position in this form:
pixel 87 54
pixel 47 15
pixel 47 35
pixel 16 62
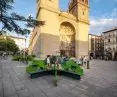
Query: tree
pixel 7 44
pixel 9 20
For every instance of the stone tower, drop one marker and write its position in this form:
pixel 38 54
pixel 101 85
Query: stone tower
pixel 80 9
pixel 65 33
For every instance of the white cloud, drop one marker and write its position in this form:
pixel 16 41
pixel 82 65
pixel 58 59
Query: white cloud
pixel 103 24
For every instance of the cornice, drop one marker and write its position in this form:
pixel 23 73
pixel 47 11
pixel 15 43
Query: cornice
pixel 62 14
pixel 67 15
pixel 49 8
pixel 83 21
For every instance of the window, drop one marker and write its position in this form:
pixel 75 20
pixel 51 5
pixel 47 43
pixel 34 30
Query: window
pixel 116 39
pixel 83 12
pixel 108 40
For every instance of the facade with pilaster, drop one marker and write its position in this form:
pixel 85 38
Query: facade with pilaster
pixel 65 33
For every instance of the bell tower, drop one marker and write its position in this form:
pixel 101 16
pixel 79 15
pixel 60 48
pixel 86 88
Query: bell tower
pixel 80 8
pixel 83 10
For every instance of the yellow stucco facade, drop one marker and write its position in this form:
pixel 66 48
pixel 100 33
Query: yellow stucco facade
pixel 65 33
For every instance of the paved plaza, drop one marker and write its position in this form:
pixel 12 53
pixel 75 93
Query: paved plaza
pixel 99 81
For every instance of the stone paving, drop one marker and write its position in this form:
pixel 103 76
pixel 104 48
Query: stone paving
pixel 99 81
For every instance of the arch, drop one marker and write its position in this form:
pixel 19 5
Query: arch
pixel 109 54
pixel 67 39
pixel 115 56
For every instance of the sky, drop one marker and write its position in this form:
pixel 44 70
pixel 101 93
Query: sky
pixel 103 13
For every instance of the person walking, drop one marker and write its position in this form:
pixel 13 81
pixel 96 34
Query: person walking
pixel 84 61
pixel 87 62
pixel 81 61
pixel 48 60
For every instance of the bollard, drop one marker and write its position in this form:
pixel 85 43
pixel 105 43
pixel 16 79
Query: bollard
pixel 88 66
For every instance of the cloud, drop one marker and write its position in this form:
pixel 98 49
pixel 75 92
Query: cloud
pixel 106 22
pixel 103 24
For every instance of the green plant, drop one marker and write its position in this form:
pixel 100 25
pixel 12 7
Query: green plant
pixel 9 43
pixel 17 58
pixel 29 58
pixel 22 58
pixel 72 67
pixel 40 63
pixel 33 56
pixel 32 68
pixel 36 65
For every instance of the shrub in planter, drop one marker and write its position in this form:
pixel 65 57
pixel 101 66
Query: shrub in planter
pixel 79 71
pixel 73 67
pixel 32 68
pixel 40 63
pixel 36 66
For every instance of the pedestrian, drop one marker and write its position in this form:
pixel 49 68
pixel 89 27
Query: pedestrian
pixel 57 62
pixel 84 61
pixel 81 61
pixel 87 62
pixel 48 60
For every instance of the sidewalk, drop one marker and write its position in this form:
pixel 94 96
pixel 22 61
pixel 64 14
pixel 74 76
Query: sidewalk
pixel 99 81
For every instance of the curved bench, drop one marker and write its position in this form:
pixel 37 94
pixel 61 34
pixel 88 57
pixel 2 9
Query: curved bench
pixel 51 72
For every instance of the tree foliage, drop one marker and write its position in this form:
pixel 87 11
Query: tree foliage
pixel 7 44
pixel 9 20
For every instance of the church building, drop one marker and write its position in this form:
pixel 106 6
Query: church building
pixel 64 33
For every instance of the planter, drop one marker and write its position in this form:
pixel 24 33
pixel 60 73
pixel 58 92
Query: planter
pixel 51 72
